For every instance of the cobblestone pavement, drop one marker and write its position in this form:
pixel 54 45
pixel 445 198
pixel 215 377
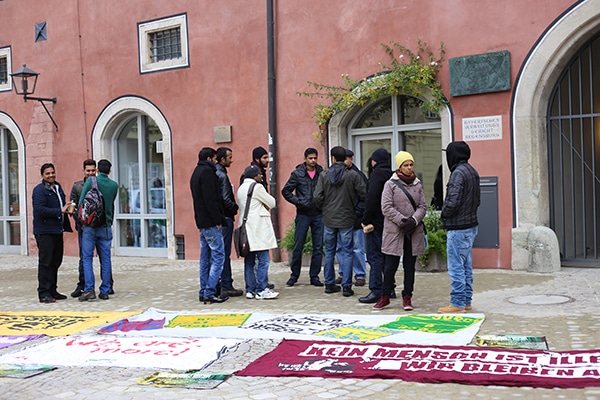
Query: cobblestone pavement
pixel 513 303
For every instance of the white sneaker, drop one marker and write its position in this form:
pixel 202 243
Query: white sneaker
pixel 249 295
pixel 266 294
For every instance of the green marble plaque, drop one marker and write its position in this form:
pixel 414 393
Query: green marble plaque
pixel 480 73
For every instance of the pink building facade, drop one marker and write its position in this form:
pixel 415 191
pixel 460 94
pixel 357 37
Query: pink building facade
pixel 147 84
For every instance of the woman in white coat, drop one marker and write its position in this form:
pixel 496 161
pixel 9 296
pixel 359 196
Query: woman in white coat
pixel 261 235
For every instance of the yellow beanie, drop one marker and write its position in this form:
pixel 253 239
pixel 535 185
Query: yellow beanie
pixel 403 156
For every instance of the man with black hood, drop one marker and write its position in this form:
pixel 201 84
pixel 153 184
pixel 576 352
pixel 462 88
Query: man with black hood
pixel 459 216
pixel 334 196
pixel 372 223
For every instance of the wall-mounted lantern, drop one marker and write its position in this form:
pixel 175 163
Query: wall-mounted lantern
pixel 23 79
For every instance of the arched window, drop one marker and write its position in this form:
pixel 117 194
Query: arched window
pixel 140 212
pixel 398 123
pixel 10 220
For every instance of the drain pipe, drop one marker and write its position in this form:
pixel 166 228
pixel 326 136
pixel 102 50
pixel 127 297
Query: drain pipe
pixel 272 123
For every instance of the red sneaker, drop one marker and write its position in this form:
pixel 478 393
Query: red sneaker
pixel 406 303
pixel 383 302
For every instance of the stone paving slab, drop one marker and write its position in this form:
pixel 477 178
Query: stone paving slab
pixel 141 283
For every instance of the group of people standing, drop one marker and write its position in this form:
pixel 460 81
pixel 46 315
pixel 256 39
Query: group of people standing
pixel 215 207
pixel 51 219
pixel 389 208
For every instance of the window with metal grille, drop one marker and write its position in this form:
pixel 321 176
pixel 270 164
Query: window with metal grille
pixel 3 71
pixel 5 81
pixel 165 45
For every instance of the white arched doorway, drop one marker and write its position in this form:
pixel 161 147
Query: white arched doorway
pixel 135 136
pixel 532 92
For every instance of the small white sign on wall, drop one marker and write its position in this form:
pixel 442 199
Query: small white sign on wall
pixel 482 128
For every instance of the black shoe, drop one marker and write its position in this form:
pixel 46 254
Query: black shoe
pixel 85 296
pixel 292 281
pixel 371 298
pixel 201 299
pixel 215 299
pixel 103 296
pixel 59 296
pixel 111 291
pixel 332 288
pixel 393 294
pixel 347 291
pixel 231 292
pixel 271 286
pixel 47 299
pixel 316 281
pixel 77 292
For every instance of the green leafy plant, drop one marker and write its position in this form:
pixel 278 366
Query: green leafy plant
pixel 412 73
pixel 436 237
pixel 287 241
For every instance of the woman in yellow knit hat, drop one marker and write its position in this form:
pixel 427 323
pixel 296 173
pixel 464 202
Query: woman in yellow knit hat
pixel 403 206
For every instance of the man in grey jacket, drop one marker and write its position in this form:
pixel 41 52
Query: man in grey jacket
pixel 459 216
pixel 334 196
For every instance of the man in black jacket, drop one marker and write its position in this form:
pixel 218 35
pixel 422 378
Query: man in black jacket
pixel 299 190
pixel 459 216
pixel 373 222
pixel 209 215
pixel 224 160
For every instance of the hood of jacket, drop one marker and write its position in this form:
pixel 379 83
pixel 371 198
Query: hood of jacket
pixel 336 173
pixel 457 152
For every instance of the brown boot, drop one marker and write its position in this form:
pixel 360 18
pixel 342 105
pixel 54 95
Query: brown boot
pixel 450 309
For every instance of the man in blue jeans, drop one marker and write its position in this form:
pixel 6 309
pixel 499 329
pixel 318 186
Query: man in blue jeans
pixel 299 190
pixel 335 197
pixel 210 218
pixel 459 216
pixel 230 208
pixel 100 238
pixel 373 223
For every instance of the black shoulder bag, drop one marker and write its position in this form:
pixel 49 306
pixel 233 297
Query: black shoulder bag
pixel 240 236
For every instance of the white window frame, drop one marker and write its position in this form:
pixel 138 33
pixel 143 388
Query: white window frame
pixel 147 28
pixel 5 53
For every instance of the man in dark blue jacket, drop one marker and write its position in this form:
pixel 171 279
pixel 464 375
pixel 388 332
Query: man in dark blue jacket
pixel 299 190
pixel 372 222
pixel 49 223
pixel 210 218
pixel 459 216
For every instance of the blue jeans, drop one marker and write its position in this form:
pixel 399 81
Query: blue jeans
pixel 81 281
pixel 303 223
pixel 226 282
pixel 100 239
pixel 344 258
pixel 376 261
pixel 460 265
pixel 212 256
pixel 256 274
pixel 359 263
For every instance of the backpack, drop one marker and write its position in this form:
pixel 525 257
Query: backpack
pixel 91 211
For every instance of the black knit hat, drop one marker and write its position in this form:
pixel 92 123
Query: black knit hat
pixel 259 152
pixel 380 155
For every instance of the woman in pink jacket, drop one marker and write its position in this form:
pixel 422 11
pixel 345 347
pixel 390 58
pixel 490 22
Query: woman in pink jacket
pixel 403 206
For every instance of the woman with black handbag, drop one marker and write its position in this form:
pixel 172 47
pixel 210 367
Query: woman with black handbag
pixel 403 207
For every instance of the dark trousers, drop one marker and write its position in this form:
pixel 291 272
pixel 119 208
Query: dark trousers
pixel 226 282
pixel 303 224
pixel 376 261
pixel 50 256
pixel 391 266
